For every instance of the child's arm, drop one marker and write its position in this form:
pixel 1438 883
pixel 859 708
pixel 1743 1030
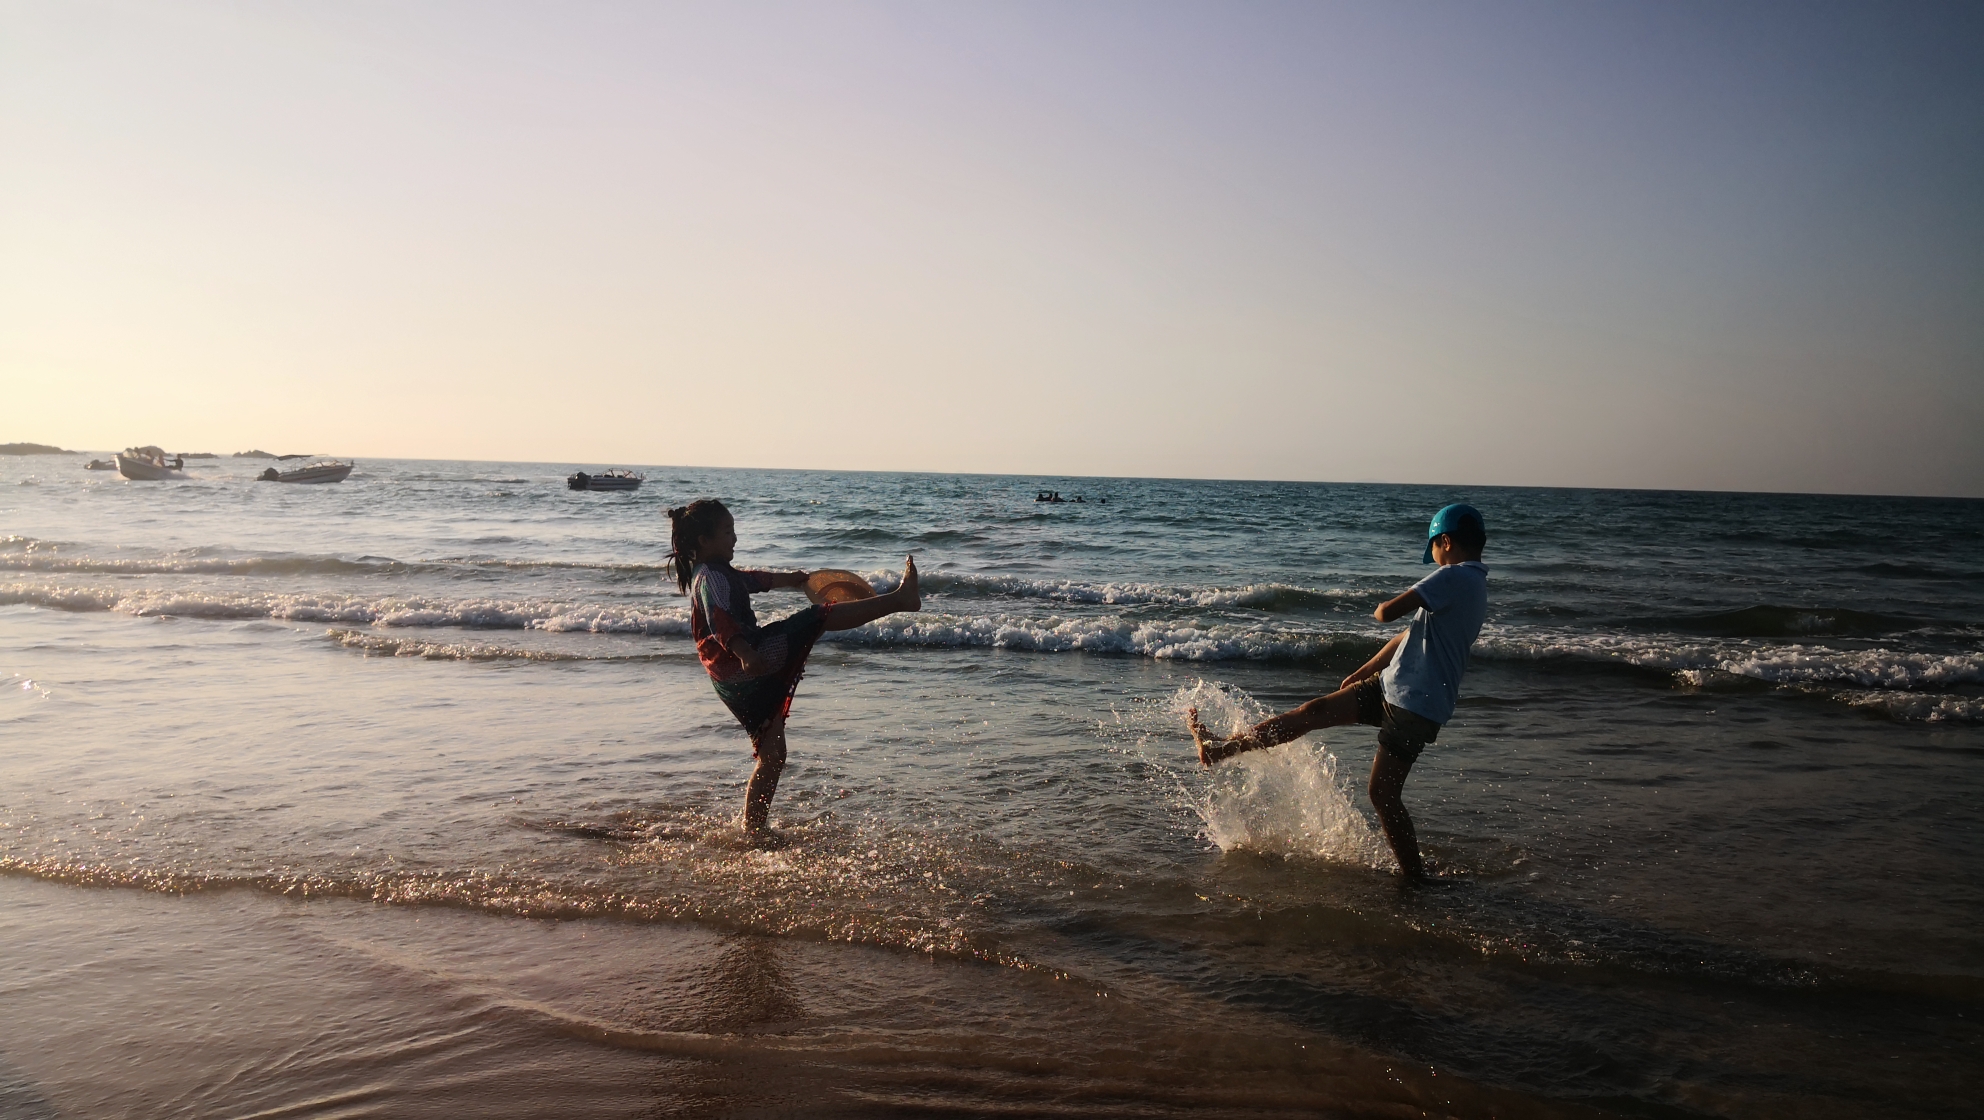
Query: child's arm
pixel 745 655
pixel 1378 660
pixel 766 581
pixel 1395 609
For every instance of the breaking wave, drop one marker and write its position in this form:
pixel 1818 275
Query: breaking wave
pixel 1263 596
pixel 1696 661
pixel 1772 664
pixel 410 611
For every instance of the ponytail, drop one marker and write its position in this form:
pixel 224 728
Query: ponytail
pixel 688 525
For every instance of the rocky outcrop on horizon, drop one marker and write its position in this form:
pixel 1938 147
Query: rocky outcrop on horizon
pixel 33 449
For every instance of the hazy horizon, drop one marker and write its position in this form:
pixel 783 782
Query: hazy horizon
pixel 1693 246
pixel 1437 484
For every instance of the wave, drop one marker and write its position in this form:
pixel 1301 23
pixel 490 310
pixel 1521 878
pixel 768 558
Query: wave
pixel 430 650
pixel 1691 662
pixel 410 612
pixel 1768 621
pixel 1878 668
pixel 27 555
pixel 1159 640
pixel 211 565
pixel 1916 706
pixel 1265 596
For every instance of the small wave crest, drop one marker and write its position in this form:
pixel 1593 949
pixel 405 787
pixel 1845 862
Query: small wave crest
pixel 38 561
pixel 1262 596
pixel 410 612
pixel 1916 706
pixel 1768 621
pixel 1106 636
pixel 1773 664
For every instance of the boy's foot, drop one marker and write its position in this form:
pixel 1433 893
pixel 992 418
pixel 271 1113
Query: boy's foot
pixel 766 839
pixel 1211 747
pixel 909 589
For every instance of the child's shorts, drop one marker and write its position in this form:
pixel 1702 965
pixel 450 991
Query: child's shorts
pixel 1400 732
pixel 758 700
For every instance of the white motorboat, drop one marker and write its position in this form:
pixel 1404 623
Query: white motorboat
pixel 606 480
pixel 148 464
pixel 328 470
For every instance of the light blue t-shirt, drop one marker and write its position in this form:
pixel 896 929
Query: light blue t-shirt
pixel 1424 676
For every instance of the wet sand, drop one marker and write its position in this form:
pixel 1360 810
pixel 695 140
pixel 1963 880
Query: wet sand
pixel 232 1003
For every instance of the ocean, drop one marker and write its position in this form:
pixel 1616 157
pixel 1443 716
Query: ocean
pixel 407 796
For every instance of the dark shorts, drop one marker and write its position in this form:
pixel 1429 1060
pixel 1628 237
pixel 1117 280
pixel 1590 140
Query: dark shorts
pixel 1402 733
pixel 758 701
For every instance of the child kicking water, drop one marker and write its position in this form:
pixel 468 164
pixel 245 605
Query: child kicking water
pixel 1408 690
pixel 756 668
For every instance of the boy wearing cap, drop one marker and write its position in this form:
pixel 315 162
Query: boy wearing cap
pixel 1408 689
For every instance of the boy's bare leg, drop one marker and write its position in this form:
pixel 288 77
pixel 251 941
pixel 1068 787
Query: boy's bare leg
pixel 907 596
pixel 1334 710
pixel 769 749
pixel 1388 773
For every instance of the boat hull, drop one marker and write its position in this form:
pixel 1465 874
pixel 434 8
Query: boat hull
pixel 583 481
pixel 143 470
pixel 314 475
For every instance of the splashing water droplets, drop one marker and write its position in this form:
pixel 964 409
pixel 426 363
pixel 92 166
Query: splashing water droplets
pixel 1284 801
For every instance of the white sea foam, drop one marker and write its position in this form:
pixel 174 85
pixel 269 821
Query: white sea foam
pixel 1284 801
pixel 1695 662
pixel 403 612
pixel 1054 634
pixel 1923 707
pixel 1762 661
pixel 1124 593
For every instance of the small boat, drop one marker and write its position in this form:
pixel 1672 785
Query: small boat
pixel 606 480
pixel 147 464
pixel 100 465
pixel 329 470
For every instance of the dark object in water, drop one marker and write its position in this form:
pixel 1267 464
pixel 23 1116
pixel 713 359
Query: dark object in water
pixel 330 470
pixel 606 480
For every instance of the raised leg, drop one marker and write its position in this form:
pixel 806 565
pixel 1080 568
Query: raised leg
pixel 769 749
pixel 1335 710
pixel 908 596
pixel 1388 773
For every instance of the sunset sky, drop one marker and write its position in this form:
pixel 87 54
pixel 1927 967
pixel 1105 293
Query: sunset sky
pixel 1697 245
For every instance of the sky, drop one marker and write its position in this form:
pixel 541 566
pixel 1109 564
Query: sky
pixel 1717 245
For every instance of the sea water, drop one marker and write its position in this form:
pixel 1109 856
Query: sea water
pixel 408 794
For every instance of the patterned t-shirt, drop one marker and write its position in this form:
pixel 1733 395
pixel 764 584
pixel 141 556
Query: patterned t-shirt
pixel 719 610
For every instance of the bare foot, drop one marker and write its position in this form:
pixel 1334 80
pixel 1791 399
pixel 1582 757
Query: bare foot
pixel 911 593
pixel 1211 747
pixel 766 839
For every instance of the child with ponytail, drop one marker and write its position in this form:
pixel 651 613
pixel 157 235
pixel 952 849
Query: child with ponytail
pixel 756 668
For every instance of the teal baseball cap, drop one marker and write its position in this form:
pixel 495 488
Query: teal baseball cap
pixel 1447 520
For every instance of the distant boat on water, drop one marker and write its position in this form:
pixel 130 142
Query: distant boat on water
pixel 606 480
pixel 100 465
pixel 148 464
pixel 329 470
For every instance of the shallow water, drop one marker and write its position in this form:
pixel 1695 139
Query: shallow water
pixel 1711 801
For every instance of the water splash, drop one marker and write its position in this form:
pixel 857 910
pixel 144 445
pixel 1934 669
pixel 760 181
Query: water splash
pixel 1285 801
